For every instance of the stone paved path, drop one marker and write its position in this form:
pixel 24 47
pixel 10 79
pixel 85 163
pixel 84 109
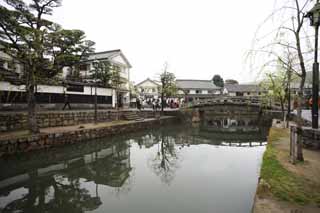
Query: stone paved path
pixel 306 114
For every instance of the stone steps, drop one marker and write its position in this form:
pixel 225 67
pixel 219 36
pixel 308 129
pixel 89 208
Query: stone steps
pixel 130 116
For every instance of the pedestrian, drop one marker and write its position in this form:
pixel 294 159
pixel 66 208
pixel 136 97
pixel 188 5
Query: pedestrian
pixel 138 104
pixel 154 105
pixel 66 101
pixel 157 104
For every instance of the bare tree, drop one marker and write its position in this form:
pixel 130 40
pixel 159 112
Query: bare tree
pixel 290 36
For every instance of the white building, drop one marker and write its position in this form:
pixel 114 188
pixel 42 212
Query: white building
pixel 80 91
pixel 197 89
pixel 148 88
pixel 251 90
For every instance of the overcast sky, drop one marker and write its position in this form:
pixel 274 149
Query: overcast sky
pixel 198 38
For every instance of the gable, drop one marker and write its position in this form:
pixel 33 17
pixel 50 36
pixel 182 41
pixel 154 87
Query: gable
pixel 147 83
pixel 119 59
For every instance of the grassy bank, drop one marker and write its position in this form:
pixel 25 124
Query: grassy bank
pixel 278 181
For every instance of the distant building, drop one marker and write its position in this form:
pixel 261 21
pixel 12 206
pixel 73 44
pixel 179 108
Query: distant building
pixel 243 90
pixel 197 89
pixel 307 90
pixel 148 88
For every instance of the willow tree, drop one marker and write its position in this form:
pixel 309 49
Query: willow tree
pixel 41 46
pixel 276 84
pixel 287 33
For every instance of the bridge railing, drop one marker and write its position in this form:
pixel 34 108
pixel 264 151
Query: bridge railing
pixel 250 100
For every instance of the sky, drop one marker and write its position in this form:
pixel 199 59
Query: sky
pixel 197 38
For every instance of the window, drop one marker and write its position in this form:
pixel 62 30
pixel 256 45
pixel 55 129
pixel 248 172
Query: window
pixel 248 93
pixel 187 91
pixel 11 65
pixel 75 88
pixel 83 67
pixel 153 90
pixel 2 62
pixel 198 91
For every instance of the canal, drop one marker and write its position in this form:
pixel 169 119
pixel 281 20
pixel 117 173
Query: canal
pixel 205 168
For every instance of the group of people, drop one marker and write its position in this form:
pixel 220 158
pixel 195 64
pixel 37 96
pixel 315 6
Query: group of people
pixel 155 103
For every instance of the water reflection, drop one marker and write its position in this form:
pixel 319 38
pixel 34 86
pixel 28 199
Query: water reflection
pixel 57 187
pixel 115 175
pixel 165 161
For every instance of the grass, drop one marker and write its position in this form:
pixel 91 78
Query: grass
pixel 282 183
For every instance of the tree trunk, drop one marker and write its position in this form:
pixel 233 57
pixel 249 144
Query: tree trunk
pixel 282 108
pixel 162 102
pixel 32 119
pixel 117 105
pixel 288 95
pixel 300 121
pixel 300 95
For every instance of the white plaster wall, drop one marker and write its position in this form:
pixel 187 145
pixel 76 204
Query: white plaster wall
pixel 232 94
pixel 124 74
pixel 192 91
pixel 204 92
pixel 127 98
pixel 148 84
pixel 180 92
pixel 6 86
pixel 114 98
pixel 119 59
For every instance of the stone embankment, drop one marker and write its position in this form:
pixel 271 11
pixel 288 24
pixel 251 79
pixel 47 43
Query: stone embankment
pixel 21 141
pixel 13 121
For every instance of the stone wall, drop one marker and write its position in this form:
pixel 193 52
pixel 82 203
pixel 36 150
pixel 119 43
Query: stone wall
pixel 12 121
pixel 47 140
pixel 310 136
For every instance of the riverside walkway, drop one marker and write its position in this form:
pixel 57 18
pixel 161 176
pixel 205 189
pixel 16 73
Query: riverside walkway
pixel 306 114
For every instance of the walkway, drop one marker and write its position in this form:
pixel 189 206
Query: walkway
pixel 63 129
pixel 306 114
pixel 288 188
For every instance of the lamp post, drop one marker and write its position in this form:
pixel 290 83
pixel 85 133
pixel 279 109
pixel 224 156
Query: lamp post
pixel 314 16
pixel 96 67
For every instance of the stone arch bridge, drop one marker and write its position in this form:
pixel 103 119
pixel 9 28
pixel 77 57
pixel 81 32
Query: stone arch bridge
pixel 225 106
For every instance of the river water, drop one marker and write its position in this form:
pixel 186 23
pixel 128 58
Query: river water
pixel 170 169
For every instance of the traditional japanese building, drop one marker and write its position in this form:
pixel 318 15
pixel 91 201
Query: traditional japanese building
pixel 197 89
pixel 80 88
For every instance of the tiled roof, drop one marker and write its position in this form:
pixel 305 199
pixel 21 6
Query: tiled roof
pixel 195 84
pixel 103 55
pixel 243 88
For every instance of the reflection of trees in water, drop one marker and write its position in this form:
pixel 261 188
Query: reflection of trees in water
pixel 65 193
pixel 51 195
pixel 166 161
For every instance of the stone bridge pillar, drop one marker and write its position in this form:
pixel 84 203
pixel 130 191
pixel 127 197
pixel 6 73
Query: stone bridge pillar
pixel 195 116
